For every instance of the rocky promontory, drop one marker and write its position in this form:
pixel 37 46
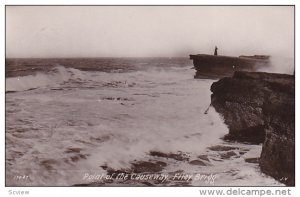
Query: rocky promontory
pixel 260 108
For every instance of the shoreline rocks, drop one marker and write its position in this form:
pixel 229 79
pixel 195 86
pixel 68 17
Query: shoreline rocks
pixel 260 108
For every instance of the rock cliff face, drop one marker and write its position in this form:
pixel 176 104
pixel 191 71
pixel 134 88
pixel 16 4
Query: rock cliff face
pixel 260 108
pixel 217 66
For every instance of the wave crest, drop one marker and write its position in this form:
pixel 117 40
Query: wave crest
pixel 53 78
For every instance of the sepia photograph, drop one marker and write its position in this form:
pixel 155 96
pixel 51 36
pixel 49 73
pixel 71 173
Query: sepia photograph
pixel 149 96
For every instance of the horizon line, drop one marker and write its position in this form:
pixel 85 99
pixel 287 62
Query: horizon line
pixel 96 57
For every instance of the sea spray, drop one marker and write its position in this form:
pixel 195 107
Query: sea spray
pixel 77 122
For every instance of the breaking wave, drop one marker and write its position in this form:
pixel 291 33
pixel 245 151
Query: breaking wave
pixel 78 122
pixel 53 78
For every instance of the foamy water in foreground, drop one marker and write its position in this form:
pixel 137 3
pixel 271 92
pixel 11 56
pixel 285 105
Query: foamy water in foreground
pixel 67 123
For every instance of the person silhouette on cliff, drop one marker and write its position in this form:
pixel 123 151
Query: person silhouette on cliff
pixel 216 50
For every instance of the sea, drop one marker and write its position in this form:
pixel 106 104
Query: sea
pixel 74 121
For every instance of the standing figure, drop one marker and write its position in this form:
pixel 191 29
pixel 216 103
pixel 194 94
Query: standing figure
pixel 216 50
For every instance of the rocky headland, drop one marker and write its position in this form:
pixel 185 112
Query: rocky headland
pixel 260 108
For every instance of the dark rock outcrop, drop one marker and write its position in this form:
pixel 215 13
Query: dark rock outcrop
pixel 197 163
pixel 176 156
pixel 252 160
pixel 217 66
pixel 260 108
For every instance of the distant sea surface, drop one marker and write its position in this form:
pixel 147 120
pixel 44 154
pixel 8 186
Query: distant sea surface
pixel 67 119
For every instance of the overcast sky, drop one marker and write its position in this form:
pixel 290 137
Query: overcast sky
pixel 99 31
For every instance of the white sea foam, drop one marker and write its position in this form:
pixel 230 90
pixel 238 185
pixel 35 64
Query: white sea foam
pixel 121 119
pixel 54 78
